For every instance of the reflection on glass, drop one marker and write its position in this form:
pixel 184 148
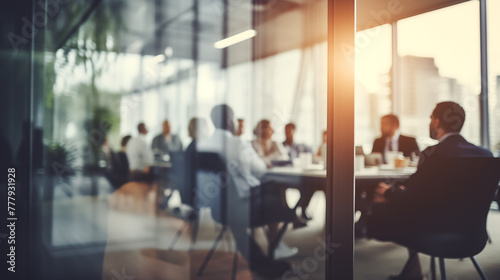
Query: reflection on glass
pixel 126 109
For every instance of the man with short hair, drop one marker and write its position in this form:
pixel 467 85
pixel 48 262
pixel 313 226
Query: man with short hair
pixel 292 147
pixel 392 140
pixel 166 143
pixel 447 120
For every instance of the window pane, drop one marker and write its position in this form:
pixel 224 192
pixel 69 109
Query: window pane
pixel 139 174
pixel 372 98
pixel 439 61
pixel 494 75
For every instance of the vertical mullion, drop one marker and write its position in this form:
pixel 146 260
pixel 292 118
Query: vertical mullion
pixel 395 69
pixel 340 151
pixel 485 135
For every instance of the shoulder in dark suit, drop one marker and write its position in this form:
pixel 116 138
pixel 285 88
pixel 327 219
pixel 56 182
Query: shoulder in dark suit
pixel 436 187
pixel 378 145
pixel 158 142
pixel 453 146
pixel 408 145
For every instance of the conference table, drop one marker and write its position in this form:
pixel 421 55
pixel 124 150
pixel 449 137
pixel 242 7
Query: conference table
pixel 314 177
pixel 316 174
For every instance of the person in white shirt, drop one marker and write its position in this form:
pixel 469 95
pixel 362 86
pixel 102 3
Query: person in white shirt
pixel 265 147
pixel 139 155
pixel 254 203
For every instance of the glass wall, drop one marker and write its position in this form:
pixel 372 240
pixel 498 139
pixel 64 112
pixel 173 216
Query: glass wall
pixel 128 131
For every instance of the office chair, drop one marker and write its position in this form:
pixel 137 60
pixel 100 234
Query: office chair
pixel 455 227
pixel 223 201
pixel 214 168
pixel 183 177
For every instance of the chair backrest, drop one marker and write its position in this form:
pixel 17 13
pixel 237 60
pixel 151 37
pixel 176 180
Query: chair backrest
pixel 180 175
pixel 212 181
pixel 453 195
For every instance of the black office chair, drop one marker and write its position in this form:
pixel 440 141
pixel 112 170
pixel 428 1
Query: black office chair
pixel 183 176
pixel 218 189
pixel 213 167
pixel 454 224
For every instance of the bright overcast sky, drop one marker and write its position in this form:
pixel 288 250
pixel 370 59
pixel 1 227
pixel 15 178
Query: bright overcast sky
pixel 450 35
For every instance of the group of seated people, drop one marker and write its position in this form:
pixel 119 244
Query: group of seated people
pixel 249 161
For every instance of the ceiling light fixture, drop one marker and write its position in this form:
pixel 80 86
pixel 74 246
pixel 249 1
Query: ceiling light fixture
pixel 235 39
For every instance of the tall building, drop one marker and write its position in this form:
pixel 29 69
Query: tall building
pixel 419 87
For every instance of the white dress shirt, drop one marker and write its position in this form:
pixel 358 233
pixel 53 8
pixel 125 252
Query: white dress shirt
pixel 448 135
pixel 276 151
pixel 393 141
pixel 243 164
pixel 138 153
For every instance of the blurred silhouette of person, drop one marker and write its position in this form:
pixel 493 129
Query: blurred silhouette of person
pixel 447 120
pixel 197 129
pixel 139 155
pixel 165 143
pixel 105 153
pixel 322 146
pixel 186 173
pixel 270 150
pixel 120 168
pixel 294 151
pixel 254 203
pixel 241 127
pixel 393 140
pixel 266 148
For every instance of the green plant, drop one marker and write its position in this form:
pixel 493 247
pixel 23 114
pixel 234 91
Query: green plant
pixel 60 160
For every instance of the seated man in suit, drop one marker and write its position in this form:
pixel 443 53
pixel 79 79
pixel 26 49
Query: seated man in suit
pixel 411 196
pixel 392 140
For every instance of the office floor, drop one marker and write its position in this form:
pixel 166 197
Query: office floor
pixel 143 240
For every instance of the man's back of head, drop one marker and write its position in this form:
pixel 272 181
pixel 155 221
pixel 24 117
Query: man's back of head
pixel 451 116
pixel 141 128
pixel 223 117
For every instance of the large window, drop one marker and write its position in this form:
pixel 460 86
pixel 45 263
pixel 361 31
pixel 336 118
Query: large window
pixel 494 74
pixel 439 60
pixel 373 55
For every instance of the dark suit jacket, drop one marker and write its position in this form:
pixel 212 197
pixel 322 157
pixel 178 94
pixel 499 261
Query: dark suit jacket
pixel 433 186
pixel 453 146
pixel 406 144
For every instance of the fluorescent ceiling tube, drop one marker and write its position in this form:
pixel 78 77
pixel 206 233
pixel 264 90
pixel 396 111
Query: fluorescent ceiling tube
pixel 235 39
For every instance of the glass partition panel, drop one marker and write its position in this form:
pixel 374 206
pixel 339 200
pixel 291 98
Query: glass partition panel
pixel 178 140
